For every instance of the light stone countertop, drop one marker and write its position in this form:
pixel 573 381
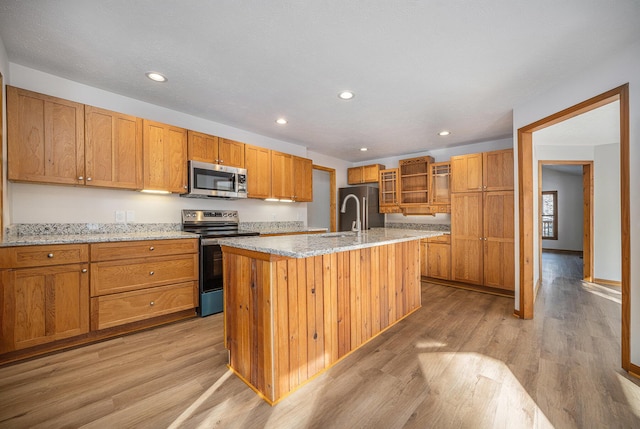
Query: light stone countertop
pixel 306 245
pixel 292 230
pixel 28 240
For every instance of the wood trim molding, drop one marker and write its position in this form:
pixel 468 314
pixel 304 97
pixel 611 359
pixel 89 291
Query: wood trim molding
pixel 332 193
pixel 526 215
pixel 607 282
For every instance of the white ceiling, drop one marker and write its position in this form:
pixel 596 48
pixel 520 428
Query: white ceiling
pixel 416 67
pixel 574 170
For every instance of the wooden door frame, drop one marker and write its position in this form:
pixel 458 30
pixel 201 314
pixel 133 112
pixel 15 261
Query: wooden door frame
pixel 587 215
pixel 332 193
pixel 526 215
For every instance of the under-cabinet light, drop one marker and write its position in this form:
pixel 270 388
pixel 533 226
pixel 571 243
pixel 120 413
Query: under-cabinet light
pixel 444 133
pixel 346 95
pixel 154 191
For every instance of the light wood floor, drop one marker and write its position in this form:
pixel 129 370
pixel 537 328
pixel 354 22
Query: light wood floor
pixel 462 360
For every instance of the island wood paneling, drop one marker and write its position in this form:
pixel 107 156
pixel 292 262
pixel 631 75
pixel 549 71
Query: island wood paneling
pixel 288 319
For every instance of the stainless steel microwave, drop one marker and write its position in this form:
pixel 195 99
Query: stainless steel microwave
pixel 214 180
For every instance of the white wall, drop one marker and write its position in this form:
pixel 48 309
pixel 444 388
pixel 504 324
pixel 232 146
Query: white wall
pixel 621 68
pixel 570 208
pixel 32 203
pixel 606 212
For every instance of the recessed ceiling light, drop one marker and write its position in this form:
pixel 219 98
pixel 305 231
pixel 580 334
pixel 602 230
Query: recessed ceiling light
pixel 346 95
pixel 281 121
pixel 156 77
pixel 363 149
pixel 444 133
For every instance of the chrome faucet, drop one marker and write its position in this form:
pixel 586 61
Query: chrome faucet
pixel 355 226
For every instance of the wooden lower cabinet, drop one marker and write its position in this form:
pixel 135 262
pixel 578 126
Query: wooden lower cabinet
pixel 482 240
pixel 44 294
pixel 435 257
pixel 125 290
pixel 44 304
pixel 121 308
pixel 56 296
pixel 287 319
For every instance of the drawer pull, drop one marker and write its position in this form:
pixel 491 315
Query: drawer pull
pixel 152 303
pixel 151 273
pixel 50 255
pixel 84 270
pixel 152 248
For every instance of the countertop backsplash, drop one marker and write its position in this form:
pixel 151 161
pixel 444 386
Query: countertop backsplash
pixel 29 229
pixel 272 226
pixel 419 226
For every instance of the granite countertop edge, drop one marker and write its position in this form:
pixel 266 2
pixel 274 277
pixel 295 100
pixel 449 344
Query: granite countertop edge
pixel 304 246
pixel 30 240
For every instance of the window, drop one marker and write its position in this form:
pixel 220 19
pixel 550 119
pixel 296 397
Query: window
pixel 550 215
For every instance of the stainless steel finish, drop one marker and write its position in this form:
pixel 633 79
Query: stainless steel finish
pixel 240 181
pixel 369 210
pixel 357 225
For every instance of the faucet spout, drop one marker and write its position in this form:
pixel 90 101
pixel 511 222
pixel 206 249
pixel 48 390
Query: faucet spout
pixel 356 226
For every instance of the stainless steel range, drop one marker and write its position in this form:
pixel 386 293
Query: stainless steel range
pixel 211 225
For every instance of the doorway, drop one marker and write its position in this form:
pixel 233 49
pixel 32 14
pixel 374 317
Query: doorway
pixel 526 215
pixel 321 212
pixel 574 221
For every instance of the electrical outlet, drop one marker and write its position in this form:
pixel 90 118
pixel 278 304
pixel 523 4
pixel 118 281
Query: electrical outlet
pixel 131 215
pixel 120 216
pixel 273 216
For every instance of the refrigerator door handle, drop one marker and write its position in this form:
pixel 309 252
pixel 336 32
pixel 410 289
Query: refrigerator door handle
pixel 365 214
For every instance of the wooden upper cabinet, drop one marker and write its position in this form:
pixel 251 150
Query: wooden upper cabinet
pixel 165 157
pixel 488 171
pixel 215 150
pixel 364 174
pixel 45 139
pixel 389 191
pixel 302 179
pixel 202 147
pixel 498 170
pixel 231 153
pixel 113 149
pixel 281 175
pixel 439 183
pixel 257 161
pixel 466 173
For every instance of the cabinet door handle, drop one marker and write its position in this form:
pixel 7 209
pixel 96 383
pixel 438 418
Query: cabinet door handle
pixel 152 303
pixel 221 162
pixel 151 273
pixel 151 248
pixel 88 179
pixel 50 255
pixel 84 270
pixel 80 178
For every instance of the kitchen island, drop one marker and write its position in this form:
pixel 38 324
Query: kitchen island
pixel 295 305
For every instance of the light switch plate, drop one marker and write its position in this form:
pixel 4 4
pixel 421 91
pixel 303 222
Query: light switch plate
pixel 120 216
pixel 131 215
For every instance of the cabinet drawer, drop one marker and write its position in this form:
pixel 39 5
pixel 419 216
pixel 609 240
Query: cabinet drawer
pixel 127 307
pixel 446 238
pixel 141 249
pixel 45 255
pixel 121 276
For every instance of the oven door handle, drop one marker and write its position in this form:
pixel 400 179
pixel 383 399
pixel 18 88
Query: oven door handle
pixel 209 241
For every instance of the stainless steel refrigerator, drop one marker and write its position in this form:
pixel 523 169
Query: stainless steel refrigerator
pixel 369 210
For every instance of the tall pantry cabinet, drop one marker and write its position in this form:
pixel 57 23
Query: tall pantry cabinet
pixel 482 219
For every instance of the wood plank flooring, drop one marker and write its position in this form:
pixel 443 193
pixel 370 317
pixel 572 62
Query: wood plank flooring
pixel 461 361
